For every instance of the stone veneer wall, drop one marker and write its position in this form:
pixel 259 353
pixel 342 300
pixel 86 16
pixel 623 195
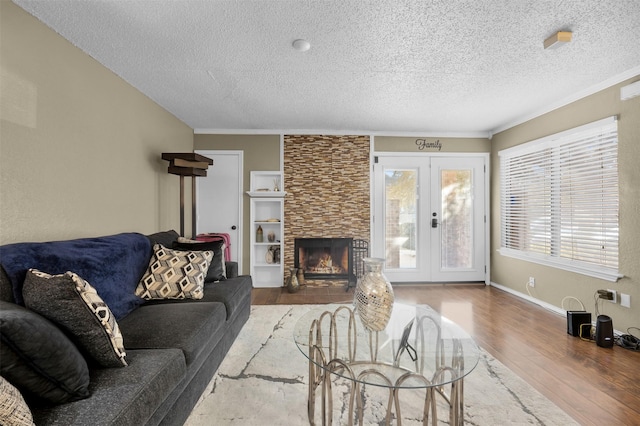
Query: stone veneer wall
pixel 327 180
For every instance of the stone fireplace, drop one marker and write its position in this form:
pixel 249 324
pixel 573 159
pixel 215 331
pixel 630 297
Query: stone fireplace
pixel 325 258
pixel 327 180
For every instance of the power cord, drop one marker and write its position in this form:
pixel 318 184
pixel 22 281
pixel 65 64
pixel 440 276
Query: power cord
pixel 629 341
pixel 597 297
pixel 527 286
pixel 571 298
pixel 591 333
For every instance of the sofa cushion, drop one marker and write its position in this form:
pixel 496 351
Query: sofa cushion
pixel 122 396
pixel 38 358
pixel 231 292
pixel 186 326
pixel 75 306
pixel 14 410
pixel 217 268
pixel 112 264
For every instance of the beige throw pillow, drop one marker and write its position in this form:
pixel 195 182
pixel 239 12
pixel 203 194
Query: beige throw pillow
pixel 174 274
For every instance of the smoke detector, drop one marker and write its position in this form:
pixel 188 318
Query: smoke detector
pixel 301 45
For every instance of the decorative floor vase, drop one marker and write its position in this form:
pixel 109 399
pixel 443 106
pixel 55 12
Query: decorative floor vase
pixel 301 276
pixel 373 297
pixel 292 282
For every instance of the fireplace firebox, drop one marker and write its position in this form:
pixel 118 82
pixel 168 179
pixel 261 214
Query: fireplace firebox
pixel 325 258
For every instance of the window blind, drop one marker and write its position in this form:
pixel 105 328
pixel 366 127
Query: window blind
pixel 559 200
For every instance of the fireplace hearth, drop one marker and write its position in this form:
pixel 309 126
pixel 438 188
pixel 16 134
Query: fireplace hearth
pixel 324 258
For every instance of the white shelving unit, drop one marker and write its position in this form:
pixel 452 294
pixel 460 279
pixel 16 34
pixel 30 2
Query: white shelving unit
pixel 267 211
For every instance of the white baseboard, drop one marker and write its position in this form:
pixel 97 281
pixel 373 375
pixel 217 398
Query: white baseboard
pixel 541 303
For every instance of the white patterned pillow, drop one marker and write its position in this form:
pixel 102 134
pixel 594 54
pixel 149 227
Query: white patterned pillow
pixel 72 303
pixel 174 274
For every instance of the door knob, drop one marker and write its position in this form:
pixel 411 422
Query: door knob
pixel 234 227
pixel 434 221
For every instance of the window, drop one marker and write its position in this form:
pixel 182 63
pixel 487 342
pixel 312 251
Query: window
pixel 559 200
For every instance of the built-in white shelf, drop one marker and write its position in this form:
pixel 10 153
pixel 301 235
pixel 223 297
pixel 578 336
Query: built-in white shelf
pixel 267 212
pixel 267 194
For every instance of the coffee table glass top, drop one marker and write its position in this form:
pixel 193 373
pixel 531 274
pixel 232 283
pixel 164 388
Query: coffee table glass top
pixel 419 348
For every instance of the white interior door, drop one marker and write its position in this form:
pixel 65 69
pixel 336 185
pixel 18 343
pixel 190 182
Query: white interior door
pixel 219 199
pixel 429 217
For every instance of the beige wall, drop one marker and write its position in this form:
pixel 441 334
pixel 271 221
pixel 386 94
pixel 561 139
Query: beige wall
pixel 260 152
pixel 552 284
pixel 79 147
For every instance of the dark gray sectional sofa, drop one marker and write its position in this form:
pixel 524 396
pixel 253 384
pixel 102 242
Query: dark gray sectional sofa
pixel 173 347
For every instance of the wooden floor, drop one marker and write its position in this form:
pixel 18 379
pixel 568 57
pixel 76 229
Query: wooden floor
pixel 594 385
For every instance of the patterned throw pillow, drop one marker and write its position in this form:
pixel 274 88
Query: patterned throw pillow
pixel 72 303
pixel 13 410
pixel 174 274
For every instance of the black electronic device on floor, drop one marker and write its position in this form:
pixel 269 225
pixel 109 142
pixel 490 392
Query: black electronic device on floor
pixel 604 331
pixel 575 321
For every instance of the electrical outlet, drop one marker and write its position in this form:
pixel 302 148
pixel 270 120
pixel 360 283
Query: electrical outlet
pixel 532 282
pixel 625 300
pixel 605 294
pixel 615 299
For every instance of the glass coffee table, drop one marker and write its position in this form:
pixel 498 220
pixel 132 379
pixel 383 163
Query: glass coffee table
pixel 420 356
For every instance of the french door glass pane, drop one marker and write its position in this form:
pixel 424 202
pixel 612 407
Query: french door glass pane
pixel 401 187
pixel 457 246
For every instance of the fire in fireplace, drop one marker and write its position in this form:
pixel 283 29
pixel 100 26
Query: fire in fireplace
pixel 324 258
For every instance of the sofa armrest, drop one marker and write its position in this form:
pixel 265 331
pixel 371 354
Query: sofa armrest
pixel 232 269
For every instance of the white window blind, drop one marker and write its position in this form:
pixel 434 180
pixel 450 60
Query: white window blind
pixel 559 200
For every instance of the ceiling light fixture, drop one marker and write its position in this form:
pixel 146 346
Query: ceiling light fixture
pixel 557 40
pixel 301 45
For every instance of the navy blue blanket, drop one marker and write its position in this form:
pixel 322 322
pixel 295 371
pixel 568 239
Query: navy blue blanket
pixel 113 265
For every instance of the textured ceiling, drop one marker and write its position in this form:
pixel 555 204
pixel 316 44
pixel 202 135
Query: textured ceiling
pixel 431 66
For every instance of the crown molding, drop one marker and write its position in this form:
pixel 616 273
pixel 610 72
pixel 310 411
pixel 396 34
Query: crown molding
pixel 432 134
pixel 633 72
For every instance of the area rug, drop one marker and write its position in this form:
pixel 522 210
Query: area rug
pixel 263 381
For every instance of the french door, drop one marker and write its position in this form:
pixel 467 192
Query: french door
pixel 430 218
